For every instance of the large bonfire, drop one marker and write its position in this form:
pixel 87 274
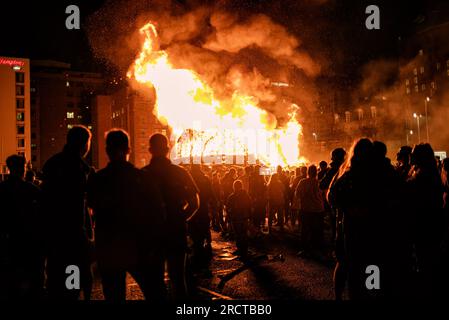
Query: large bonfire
pixel 203 127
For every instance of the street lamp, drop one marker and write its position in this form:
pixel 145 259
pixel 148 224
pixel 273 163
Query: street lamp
pixel 417 117
pixel 426 101
pixel 408 134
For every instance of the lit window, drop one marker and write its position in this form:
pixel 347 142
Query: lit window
pixel 348 116
pixel 421 70
pixel 336 118
pixel 432 85
pixel 69 126
pixel 408 90
pixel 67 84
pixel 360 114
pixel 407 82
pixel 415 71
pixel 416 80
pixel 374 111
pixel 416 88
pixel 421 52
pixel 20 116
pixel 423 87
pixel 70 115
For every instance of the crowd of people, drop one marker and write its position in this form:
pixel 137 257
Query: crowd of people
pixel 144 221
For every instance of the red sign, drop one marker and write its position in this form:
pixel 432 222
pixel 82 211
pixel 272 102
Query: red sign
pixel 11 62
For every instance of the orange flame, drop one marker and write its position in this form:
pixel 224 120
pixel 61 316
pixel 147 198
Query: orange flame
pixel 205 127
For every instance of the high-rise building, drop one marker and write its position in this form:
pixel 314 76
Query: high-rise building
pixel 60 99
pixel 15 129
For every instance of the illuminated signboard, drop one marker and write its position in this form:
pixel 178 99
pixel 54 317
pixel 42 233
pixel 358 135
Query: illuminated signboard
pixel 11 62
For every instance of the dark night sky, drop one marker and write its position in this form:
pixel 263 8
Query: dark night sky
pixel 37 29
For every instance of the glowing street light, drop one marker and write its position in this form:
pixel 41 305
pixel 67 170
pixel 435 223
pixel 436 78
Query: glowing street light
pixel 426 101
pixel 417 117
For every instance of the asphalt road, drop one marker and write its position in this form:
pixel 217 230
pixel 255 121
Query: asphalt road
pixel 265 277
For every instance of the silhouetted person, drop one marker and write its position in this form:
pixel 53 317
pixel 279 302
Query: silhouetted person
pixel 239 208
pixel 312 209
pixel 21 255
pixel 426 211
pixel 257 192
pixel 367 195
pixel 226 183
pixel 181 198
pixel 276 201
pixel 199 224
pixel 323 170
pixel 287 198
pixel 128 211
pixel 403 166
pixel 217 206
pixel 64 187
pixel 445 244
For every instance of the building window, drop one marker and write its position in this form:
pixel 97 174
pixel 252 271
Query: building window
pixel 407 90
pixel 70 115
pixel 69 126
pixel 20 103
pixel 20 116
pixel 21 143
pixel 20 129
pixel 423 87
pixel 447 63
pixel 336 118
pixel 348 116
pixel 21 153
pixel 415 72
pixel 432 85
pixel 438 66
pixel 67 84
pixel 374 111
pixel 20 90
pixel 421 70
pixel 416 80
pixel 360 114
pixel 421 52
pixel 20 77
pixel 407 82
pixel 416 88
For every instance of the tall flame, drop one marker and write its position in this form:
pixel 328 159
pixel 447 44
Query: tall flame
pixel 203 126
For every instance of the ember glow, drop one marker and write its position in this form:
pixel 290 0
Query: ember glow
pixel 204 127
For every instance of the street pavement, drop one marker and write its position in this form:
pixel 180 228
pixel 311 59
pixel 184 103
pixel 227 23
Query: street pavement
pixel 274 271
